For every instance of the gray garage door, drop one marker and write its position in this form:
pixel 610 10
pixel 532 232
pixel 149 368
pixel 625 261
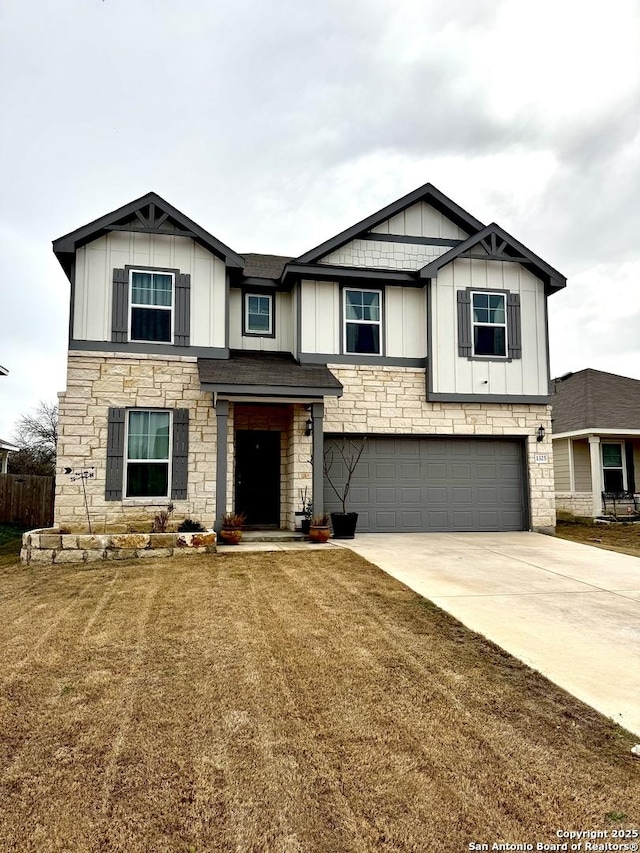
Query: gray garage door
pixel 433 484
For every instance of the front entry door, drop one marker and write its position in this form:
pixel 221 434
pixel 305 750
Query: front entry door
pixel 258 475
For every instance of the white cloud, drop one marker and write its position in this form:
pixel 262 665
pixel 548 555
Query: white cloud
pixel 276 125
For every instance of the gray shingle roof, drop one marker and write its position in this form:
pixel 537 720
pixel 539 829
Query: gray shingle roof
pixel 264 266
pixel 267 373
pixel 593 399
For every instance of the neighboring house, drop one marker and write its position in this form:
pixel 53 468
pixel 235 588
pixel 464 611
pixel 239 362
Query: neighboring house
pixel 215 380
pixel 596 439
pixel 5 449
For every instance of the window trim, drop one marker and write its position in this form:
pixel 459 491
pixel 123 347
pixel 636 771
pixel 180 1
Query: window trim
pixel 379 323
pixel 246 332
pixel 126 460
pixel 158 271
pixel 505 325
pixel 622 467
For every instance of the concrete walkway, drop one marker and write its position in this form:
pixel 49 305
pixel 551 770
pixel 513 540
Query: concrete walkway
pixel 570 611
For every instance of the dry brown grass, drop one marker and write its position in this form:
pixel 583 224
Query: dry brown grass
pixel 619 536
pixel 285 702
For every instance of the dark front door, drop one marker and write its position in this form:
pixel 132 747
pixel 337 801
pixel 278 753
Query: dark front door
pixel 258 475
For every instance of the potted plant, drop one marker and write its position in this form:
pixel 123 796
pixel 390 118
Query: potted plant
pixel 231 530
pixel 303 516
pixel 319 530
pixel 349 452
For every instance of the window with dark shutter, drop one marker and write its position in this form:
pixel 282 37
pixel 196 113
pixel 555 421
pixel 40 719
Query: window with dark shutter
pixel 464 323
pixel 180 455
pixel 183 310
pixel 489 324
pixel 115 454
pixel 120 306
pixel 513 325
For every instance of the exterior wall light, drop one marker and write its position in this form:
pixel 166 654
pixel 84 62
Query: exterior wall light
pixel 540 433
pixel 308 427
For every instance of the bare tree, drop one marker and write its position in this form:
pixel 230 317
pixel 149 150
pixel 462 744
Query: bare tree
pixel 36 436
pixel 349 452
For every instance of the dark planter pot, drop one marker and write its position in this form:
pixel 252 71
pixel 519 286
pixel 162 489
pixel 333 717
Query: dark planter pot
pixel 344 524
pixel 305 525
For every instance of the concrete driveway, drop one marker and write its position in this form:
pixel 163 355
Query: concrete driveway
pixel 570 611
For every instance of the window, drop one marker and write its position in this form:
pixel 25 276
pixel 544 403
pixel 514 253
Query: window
pixel 612 468
pixel 147 454
pixel 151 306
pixel 489 324
pixel 363 321
pixel 258 314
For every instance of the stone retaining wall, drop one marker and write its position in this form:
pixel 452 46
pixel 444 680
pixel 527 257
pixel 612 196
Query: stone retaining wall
pixel 51 546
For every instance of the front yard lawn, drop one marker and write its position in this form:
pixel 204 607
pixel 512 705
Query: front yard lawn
pixel 286 702
pixel 618 536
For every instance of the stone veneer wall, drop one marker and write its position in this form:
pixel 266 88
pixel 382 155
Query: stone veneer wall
pixel 51 545
pixel 94 383
pixel 575 503
pixel 392 400
pixel 376 400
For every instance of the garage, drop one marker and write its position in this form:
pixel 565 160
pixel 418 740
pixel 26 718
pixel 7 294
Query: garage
pixel 432 484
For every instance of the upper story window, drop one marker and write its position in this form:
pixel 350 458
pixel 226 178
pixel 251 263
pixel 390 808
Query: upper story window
pixel 258 314
pixel 148 454
pixel 489 324
pixel 151 306
pixel 363 321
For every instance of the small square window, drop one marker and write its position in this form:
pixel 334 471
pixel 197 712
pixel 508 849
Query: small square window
pixel 258 314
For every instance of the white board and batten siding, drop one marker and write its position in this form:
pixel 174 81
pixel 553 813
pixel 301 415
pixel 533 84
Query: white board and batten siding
pixel 454 374
pixel 419 220
pixel 404 319
pixel 284 340
pixel 96 261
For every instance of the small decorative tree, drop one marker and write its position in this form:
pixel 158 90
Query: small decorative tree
pixel 348 451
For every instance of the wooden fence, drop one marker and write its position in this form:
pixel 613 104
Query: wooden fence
pixel 26 499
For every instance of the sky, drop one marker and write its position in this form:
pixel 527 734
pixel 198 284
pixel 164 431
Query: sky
pixel 275 124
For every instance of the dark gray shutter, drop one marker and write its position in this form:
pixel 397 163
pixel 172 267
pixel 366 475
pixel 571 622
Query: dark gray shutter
pixel 120 307
pixel 464 323
pixel 513 325
pixel 180 454
pixel 115 455
pixel 183 310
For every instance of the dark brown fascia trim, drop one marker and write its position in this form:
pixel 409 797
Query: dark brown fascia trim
pixel 552 278
pixel 427 192
pixel 358 359
pixel 151 348
pixel 315 272
pixel 488 398
pixel 266 391
pixel 68 243
pixel 405 238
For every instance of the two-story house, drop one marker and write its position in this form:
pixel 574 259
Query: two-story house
pixel 216 380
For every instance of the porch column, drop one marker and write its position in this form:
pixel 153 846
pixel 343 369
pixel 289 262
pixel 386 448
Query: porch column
pixel 317 458
pixel 596 474
pixel 222 416
pixel 4 460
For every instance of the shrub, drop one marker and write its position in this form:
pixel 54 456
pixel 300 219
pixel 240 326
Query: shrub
pixel 190 526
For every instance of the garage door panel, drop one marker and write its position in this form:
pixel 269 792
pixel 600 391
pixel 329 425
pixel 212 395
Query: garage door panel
pixel 410 494
pixel 432 483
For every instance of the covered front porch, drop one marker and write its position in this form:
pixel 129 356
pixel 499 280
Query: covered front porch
pixel 595 473
pixel 269 435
